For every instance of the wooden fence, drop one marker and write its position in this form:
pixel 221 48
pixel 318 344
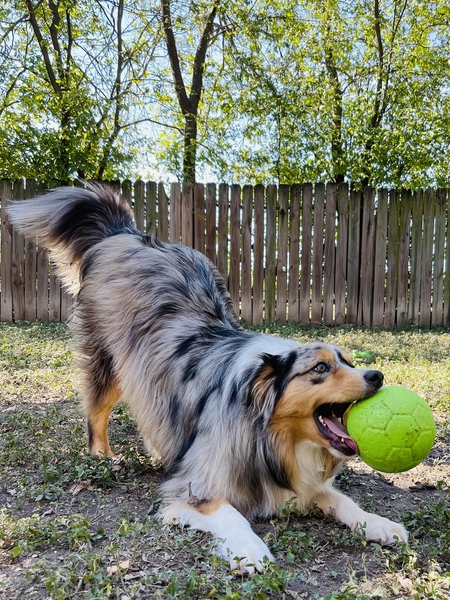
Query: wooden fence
pixel 308 253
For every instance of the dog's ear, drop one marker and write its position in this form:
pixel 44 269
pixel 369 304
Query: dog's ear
pixel 270 381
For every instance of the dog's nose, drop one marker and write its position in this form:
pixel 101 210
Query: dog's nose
pixel 374 377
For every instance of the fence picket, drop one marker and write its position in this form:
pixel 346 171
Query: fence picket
pixel 270 271
pixel 246 276
pixel 392 271
pixel 329 255
pixel 317 256
pixel 151 194
pixel 175 213
pixel 139 205
pixel 379 281
pixel 306 254
pixel 404 241
pixel 427 259
pixel 415 257
pixel 258 254
pixel 294 249
pixel 210 223
pixel 235 246
pixel 30 265
pixel 437 317
pixel 222 233
pixel 162 230
pixel 282 246
pixel 17 270
pixel 6 256
pixel 366 258
pixel 199 217
pixel 341 253
pixel 353 257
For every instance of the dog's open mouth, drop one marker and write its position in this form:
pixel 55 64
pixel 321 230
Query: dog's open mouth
pixel 329 420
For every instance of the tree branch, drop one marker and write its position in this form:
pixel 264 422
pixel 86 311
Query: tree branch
pixel 200 57
pixel 180 88
pixel 45 55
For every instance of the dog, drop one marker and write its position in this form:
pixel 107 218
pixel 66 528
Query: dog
pixel 242 421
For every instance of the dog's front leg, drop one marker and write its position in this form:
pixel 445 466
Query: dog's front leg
pixel 374 527
pixel 235 539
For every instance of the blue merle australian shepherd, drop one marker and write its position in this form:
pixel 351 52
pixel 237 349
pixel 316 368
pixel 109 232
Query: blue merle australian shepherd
pixel 242 421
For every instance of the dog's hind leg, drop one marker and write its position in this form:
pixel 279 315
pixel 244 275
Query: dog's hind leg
pixel 100 393
pixel 235 539
pixel 97 421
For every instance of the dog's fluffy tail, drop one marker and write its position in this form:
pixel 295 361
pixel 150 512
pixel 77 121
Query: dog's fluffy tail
pixel 70 220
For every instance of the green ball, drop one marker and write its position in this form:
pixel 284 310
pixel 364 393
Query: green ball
pixel 394 429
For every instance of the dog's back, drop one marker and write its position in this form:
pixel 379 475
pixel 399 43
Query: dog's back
pixel 145 311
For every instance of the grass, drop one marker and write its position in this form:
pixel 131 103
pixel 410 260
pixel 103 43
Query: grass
pixel 77 527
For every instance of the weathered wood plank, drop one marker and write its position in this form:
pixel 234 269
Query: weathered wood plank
pixel 210 222
pixel 6 256
pixel 258 267
pixel 151 195
pixel 330 253
pixel 175 213
pixel 416 257
pixel 427 259
pixel 341 253
pixel 379 284
pixel 437 316
pixel 306 253
pixel 246 276
pixel 282 246
pixel 222 234
pixel 367 254
pixel 18 287
pixel 294 253
pixel 317 255
pixel 30 265
pixel 48 284
pixel 139 204
pixel 392 261
pixel 162 230
pixel 447 267
pixel 199 217
pixel 187 214
pixel 271 266
pixel 353 257
pixel 235 247
pixel 403 258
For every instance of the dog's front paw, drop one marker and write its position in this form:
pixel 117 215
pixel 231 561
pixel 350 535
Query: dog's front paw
pixel 380 529
pixel 246 555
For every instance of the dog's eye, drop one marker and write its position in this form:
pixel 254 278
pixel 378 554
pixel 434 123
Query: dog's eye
pixel 321 368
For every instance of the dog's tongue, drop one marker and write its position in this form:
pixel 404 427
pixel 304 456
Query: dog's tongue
pixel 338 429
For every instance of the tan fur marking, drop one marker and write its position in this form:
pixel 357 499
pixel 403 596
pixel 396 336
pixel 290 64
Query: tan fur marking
pixel 209 507
pixel 98 423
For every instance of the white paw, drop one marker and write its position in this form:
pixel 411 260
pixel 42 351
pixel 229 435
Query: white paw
pixel 383 530
pixel 246 555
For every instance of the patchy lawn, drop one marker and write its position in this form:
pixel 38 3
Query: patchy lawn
pixel 73 526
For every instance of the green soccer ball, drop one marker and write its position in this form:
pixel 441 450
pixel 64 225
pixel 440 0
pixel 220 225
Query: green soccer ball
pixel 394 429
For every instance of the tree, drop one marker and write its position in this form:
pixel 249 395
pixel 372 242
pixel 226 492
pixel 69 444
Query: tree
pixel 70 93
pixel 323 89
pixel 189 101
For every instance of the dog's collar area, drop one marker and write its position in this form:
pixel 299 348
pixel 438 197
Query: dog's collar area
pixel 328 418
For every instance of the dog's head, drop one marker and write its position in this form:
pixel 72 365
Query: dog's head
pixel 307 392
